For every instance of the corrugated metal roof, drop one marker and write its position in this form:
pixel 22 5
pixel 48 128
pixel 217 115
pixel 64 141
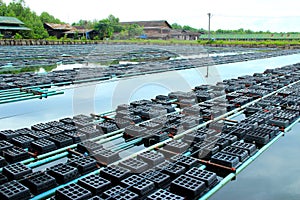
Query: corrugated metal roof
pixel 81 31
pixel 60 26
pixel 10 20
pixel 158 23
pixel 15 28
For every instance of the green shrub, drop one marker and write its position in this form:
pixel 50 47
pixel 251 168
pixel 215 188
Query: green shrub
pixel 18 36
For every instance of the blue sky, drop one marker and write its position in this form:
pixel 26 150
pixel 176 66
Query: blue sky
pixel 273 15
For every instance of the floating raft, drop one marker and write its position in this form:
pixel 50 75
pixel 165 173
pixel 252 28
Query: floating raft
pixel 187 145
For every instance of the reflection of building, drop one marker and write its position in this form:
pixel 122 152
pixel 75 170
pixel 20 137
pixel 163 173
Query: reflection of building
pixel 9 26
pixel 163 30
pixel 60 30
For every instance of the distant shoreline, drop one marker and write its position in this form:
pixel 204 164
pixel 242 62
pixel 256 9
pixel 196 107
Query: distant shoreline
pixel 219 43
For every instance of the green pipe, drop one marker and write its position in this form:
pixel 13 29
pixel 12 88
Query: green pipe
pixel 49 154
pixel 47 160
pixel 16 96
pixel 11 93
pixel 19 99
pixel 89 80
pixel 10 90
pixel 133 142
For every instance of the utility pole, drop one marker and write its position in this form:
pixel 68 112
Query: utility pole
pixel 209 16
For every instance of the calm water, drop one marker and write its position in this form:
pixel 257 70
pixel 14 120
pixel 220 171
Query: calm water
pixel 274 175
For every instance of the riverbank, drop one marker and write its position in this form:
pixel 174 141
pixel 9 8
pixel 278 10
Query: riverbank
pixel 295 44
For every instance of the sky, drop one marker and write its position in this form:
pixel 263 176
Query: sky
pixel 272 15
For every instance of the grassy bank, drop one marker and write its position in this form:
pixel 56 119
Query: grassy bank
pixel 244 43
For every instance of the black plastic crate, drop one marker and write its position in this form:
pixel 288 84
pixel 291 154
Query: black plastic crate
pixel 61 140
pixel 76 136
pixel 83 117
pixel 120 193
pixel 42 146
pixel 222 143
pixel 205 149
pixel 40 127
pixel 250 148
pixel 151 158
pixel 163 194
pixel 135 131
pixel 195 136
pixel 122 123
pixel 38 135
pixel 2 162
pixel 54 131
pixel 72 192
pixel 231 138
pixel 91 132
pixel 39 182
pixel 8 135
pixel 94 183
pixel 114 173
pixel 63 173
pixel 55 124
pixel 160 179
pixel 225 159
pixel 153 137
pixel 81 123
pixel 241 153
pixel 4 145
pixel 15 154
pixel 95 198
pixel 14 190
pixel 172 169
pixel 150 125
pixel 68 128
pixel 23 131
pixel 134 165
pixel 138 184
pixel 187 186
pixel 107 127
pixel 16 171
pixel 3 179
pixel 84 164
pixel 187 162
pixel 67 120
pixel 22 141
pixel 257 137
pixel 176 146
pixel 88 147
pixel 105 156
pixel 209 178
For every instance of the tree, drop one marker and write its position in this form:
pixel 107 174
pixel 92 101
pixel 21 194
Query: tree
pixel 176 26
pixel 47 18
pixel 108 26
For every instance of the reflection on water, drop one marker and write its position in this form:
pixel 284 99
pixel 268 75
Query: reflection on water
pixel 97 98
pixel 275 175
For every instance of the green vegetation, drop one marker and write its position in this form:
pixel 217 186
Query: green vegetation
pixel 13 70
pixel 111 29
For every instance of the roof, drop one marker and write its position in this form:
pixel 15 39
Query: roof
pixel 158 23
pixel 10 20
pixel 59 26
pixel 184 32
pixel 17 28
pixel 78 31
